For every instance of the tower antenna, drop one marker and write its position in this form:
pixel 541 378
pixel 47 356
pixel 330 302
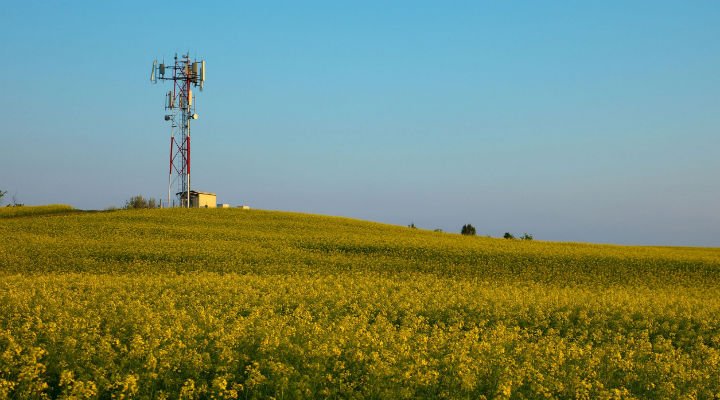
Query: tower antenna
pixel 179 111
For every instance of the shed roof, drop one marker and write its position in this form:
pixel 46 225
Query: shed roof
pixel 197 192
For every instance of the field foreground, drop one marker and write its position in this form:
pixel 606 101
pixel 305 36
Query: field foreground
pixel 253 304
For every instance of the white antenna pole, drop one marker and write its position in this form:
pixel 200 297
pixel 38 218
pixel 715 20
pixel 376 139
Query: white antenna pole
pixel 172 135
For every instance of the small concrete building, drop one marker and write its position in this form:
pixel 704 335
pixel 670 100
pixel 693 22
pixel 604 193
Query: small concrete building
pixel 201 199
pixel 223 205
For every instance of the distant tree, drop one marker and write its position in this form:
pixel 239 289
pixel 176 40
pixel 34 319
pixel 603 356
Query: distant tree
pixel 140 202
pixel 2 194
pixel 438 230
pixel 508 235
pixel 526 236
pixel 468 230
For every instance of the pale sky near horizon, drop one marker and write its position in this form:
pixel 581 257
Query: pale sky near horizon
pixel 573 121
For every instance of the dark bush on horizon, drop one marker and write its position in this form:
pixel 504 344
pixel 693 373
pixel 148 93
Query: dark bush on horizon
pixel 468 230
pixel 140 202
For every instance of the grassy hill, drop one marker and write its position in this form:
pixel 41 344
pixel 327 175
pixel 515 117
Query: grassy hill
pixel 230 303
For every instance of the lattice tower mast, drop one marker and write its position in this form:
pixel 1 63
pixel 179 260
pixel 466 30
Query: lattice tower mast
pixel 180 110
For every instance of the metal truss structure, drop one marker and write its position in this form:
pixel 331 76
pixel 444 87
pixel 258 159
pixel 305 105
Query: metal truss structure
pixel 180 111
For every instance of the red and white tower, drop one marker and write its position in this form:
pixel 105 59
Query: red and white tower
pixel 180 110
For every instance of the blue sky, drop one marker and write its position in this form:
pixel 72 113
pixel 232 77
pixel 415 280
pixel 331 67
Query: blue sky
pixel 573 121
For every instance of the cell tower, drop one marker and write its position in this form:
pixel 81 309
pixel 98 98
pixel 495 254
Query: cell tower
pixel 180 110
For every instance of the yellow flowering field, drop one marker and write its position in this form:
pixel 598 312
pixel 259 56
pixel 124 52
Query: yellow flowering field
pixel 9 212
pixel 230 303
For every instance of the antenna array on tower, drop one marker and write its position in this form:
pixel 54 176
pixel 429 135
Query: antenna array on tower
pixel 180 110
